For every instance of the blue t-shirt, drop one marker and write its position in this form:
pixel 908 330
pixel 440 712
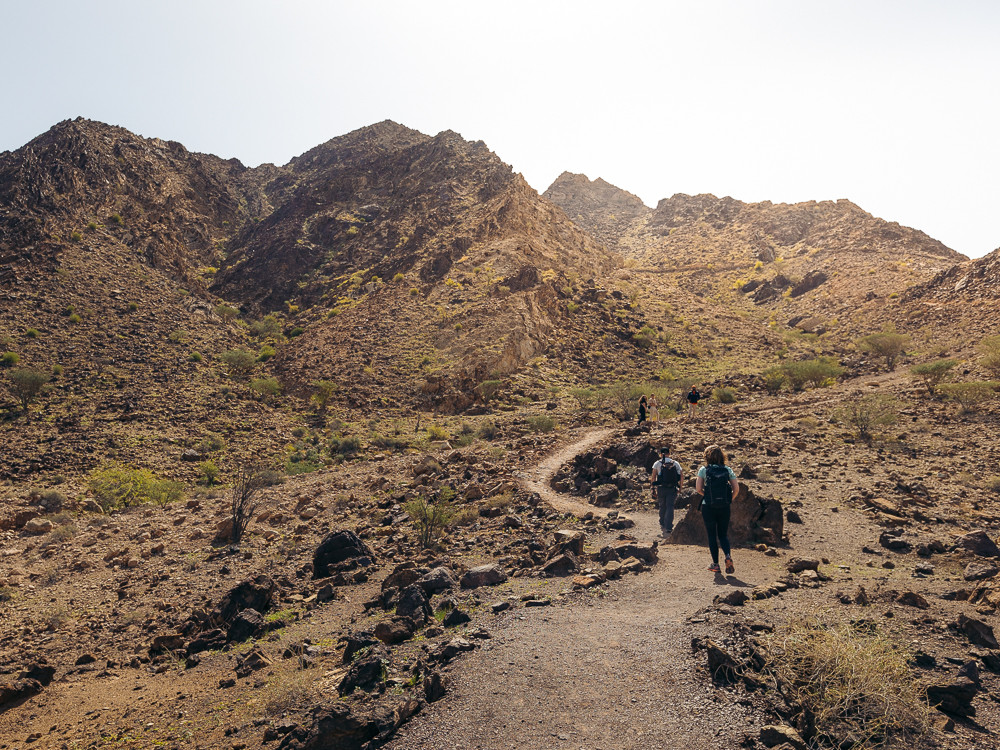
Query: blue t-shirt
pixel 701 473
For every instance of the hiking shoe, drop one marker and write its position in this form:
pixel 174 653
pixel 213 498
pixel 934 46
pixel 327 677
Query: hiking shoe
pixel 714 568
pixel 730 568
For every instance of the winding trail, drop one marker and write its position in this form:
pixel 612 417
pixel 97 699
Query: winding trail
pixel 610 669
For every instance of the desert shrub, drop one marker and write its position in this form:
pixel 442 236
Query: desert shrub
pixel 868 413
pixel 930 374
pixel 195 357
pixel 266 388
pixel 178 336
pixel 239 363
pixel 269 327
pixel 465 435
pixel 57 370
pixel 9 359
pixel 32 333
pixel 541 423
pixel 288 693
pixel 724 395
pixel 344 445
pixel 116 219
pixel 645 337
pixel 488 389
pixel 118 486
pixel 585 397
pixel 209 471
pixel 989 348
pixel 429 518
pixel 266 352
pixel 74 319
pixel 227 313
pixel 815 372
pixel 323 391
pixel 398 277
pixel 210 443
pixel 992 484
pixel 464 517
pixel 26 383
pixel 414 291
pixel 774 379
pixel 488 430
pixel 968 395
pixel 133 306
pixel 850 682
pixel 435 432
pixel 296 331
pixel 52 499
pixel 572 307
pixel 888 345
pixel 390 442
pixel 244 496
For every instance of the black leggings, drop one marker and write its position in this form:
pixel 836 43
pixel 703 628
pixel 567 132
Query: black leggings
pixel 717 526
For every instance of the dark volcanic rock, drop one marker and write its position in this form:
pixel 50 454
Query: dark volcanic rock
pixel 246 624
pixel 414 605
pixel 978 543
pixel 338 548
pixel 483 575
pixel 367 672
pixel 752 519
pixel 256 594
pixel 811 280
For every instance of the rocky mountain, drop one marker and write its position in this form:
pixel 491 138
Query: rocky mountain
pixel 604 210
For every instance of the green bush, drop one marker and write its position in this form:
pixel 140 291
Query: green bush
pixel 266 352
pixel 239 363
pixel 267 328
pixel 572 307
pixel 435 432
pixel 541 423
pixel 488 430
pixel 116 219
pixel 429 518
pixel 815 372
pixel 322 393
pixel 266 388
pixel 57 370
pixel 227 313
pixel 390 442
pixel 195 357
pixel 9 359
pixel 888 345
pixel 75 236
pixel 774 379
pixel 344 445
pixel 209 471
pixel 866 414
pixel 26 383
pixel 968 395
pixel 645 337
pixel 74 319
pixel 724 395
pixel 930 374
pixel 297 331
pixel 32 333
pixel 117 486
pixel 178 336
pixel 989 348
pixel 488 389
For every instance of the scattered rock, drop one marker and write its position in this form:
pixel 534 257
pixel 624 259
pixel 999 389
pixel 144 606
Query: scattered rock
pixel 338 548
pixel 395 630
pixel 977 631
pixel 483 575
pixel 436 581
pixel 773 735
pixel 978 543
pixel 414 605
pixel 247 624
pixel 798 564
pixel 367 672
pixel 953 697
pixel 978 571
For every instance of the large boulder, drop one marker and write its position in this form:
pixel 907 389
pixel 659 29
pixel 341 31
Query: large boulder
pixel 752 519
pixel 437 580
pixel 809 282
pixel 340 550
pixel 978 543
pixel 414 605
pixel 367 672
pixel 18 691
pixel 257 593
pixel 483 575
pixel 247 624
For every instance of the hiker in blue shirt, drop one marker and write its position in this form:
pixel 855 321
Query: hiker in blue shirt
pixel 718 486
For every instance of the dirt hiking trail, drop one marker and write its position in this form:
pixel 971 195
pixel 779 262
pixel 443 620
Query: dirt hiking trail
pixel 598 670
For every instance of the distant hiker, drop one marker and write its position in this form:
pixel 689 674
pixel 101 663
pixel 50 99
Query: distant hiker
pixel 654 409
pixel 717 485
pixel 667 477
pixel 642 410
pixel 693 398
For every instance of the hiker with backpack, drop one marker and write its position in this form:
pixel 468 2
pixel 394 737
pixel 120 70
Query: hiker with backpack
pixel 693 397
pixel 718 486
pixel 667 477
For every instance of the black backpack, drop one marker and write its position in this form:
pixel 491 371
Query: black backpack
pixel 718 491
pixel 669 475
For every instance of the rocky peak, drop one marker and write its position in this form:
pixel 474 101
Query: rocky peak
pixel 597 206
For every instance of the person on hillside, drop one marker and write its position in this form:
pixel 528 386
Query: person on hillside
pixel 717 485
pixel 693 398
pixel 654 409
pixel 666 479
pixel 642 409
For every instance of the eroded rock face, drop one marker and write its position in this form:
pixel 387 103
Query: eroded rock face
pixel 811 280
pixel 752 519
pixel 340 550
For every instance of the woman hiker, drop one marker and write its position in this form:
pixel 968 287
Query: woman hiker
pixel 654 409
pixel 717 485
pixel 642 409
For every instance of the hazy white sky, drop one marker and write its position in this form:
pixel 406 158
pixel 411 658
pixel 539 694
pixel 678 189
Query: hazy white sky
pixel 893 104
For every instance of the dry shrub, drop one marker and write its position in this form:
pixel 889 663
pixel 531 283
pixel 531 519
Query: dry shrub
pixel 289 694
pixel 850 682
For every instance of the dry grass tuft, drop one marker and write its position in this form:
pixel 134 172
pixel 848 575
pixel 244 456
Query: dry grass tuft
pixel 850 683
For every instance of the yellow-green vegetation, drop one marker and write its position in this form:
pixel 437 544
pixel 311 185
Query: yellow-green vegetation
pixel 930 374
pixel 541 423
pixel 266 388
pixel 32 333
pixel 969 395
pixel 888 345
pixel 866 414
pixel 851 682
pixel 266 352
pixel 989 348
pixel 645 337
pixel 268 327
pixel 816 372
pixel 209 471
pixel 227 313
pixel 724 395
pixel 429 518
pixel 26 384
pixel 323 391
pixel 119 486
pixel 239 363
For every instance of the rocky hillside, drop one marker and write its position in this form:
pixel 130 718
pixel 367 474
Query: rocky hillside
pixel 605 211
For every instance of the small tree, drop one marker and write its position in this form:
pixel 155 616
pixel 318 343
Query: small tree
pixel 488 389
pixel 869 412
pixel 322 393
pixel 209 470
pixel 26 383
pixel 266 388
pixel 244 499
pixel 930 374
pixel 239 363
pixel 429 518
pixel 889 345
pixel 815 372
pixel 774 378
pixel 968 395
pixel 227 313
